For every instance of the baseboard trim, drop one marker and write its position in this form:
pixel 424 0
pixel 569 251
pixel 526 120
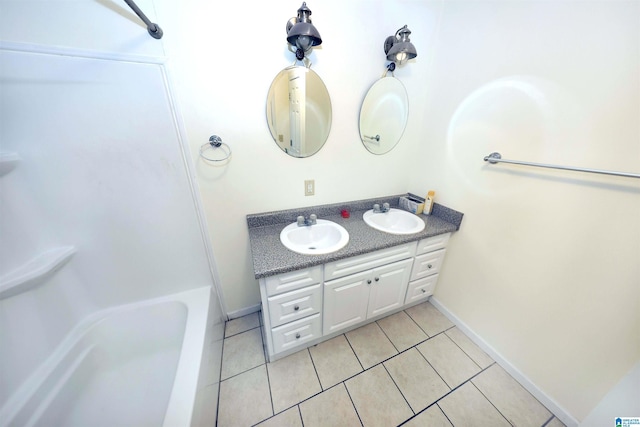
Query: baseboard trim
pixel 557 410
pixel 243 311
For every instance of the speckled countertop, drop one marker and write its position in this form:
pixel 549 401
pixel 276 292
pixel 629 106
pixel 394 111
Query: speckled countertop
pixel 270 257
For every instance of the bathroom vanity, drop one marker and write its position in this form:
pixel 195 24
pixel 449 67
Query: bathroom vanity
pixel 307 299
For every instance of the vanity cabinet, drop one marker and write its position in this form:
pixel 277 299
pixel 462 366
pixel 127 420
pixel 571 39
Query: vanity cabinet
pixel 305 307
pixel 426 266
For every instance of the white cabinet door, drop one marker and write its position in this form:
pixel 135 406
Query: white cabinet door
pixel 345 301
pixel 389 287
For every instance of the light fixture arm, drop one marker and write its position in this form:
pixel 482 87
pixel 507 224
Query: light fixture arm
pixel 154 29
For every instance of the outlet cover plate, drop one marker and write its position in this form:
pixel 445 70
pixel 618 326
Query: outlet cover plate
pixel 309 187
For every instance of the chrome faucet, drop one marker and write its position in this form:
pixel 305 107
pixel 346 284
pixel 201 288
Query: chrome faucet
pixel 385 208
pixel 303 222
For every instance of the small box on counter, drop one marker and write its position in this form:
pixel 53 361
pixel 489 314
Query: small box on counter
pixel 412 203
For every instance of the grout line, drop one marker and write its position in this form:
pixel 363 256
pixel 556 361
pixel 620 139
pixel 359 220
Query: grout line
pixel 220 380
pixel 398 388
pixel 315 370
pixel 387 336
pixel 434 370
pixel 300 415
pixel 266 368
pixel 242 332
pixel 451 390
pixel 355 354
pixel 352 402
pixel 444 413
pixel 414 321
pixel 468 355
pixel 488 400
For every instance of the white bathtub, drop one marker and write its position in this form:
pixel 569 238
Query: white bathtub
pixel 134 365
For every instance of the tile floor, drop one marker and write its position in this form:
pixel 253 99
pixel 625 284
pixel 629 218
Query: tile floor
pixel 412 368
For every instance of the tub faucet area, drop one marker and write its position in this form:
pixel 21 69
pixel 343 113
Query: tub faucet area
pixel 304 222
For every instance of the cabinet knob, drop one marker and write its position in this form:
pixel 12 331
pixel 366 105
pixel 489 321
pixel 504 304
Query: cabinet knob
pixel 377 279
pixel 429 265
pixel 369 282
pixel 297 336
pixel 424 291
pixel 296 308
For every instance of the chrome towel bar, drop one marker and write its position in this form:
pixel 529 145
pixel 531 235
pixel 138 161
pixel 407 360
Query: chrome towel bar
pixel 497 158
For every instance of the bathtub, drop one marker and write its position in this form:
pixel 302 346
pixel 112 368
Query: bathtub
pixel 132 365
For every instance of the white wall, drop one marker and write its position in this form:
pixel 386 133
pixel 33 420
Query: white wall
pixel 546 265
pixel 224 59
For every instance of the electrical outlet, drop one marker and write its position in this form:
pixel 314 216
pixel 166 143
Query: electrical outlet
pixel 309 187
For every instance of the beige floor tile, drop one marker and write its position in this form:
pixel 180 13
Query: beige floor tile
pixel 332 407
pixel 370 344
pixel 515 403
pixel 473 351
pixel 429 318
pixel 377 399
pixel 432 417
pixel 242 352
pixel 334 361
pixel 292 379
pixel 466 406
pixel 451 363
pixel 402 331
pixel 288 418
pixel 416 379
pixel 555 423
pixel 245 399
pixel 241 324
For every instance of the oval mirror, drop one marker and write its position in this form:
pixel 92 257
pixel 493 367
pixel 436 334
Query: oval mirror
pixel 299 111
pixel 383 115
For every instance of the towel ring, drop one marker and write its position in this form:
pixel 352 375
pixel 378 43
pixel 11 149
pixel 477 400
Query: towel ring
pixel 214 143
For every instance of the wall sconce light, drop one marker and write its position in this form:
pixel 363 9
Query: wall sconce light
pixel 399 48
pixel 301 33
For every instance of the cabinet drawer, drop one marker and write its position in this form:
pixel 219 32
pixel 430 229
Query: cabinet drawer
pixel 355 264
pixel 296 333
pixel 295 305
pixel 295 280
pixel 427 264
pixel 421 289
pixel 433 243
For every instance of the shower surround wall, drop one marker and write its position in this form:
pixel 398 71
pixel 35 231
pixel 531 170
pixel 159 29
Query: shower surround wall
pixel 95 170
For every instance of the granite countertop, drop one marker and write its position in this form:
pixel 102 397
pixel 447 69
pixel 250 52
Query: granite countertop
pixel 270 257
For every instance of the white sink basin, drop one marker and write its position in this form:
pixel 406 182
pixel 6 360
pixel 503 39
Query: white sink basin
pixel 395 221
pixel 321 238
